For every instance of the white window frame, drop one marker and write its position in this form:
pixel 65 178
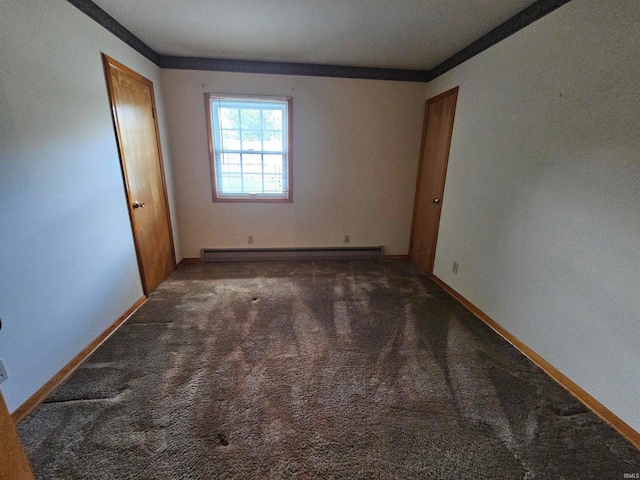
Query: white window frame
pixel 216 149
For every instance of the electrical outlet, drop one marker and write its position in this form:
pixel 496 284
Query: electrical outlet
pixel 3 372
pixel 250 240
pixel 454 269
pixel 347 239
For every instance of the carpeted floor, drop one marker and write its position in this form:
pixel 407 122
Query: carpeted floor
pixel 314 370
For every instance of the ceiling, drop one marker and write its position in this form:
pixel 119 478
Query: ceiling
pixel 404 34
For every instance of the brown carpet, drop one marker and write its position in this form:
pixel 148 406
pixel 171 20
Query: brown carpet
pixel 314 370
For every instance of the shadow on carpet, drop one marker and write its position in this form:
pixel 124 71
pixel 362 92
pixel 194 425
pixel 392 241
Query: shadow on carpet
pixel 314 370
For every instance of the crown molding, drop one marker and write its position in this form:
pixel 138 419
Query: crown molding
pixel 101 17
pixel 516 23
pixel 285 68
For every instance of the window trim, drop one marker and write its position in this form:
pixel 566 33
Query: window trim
pixel 212 160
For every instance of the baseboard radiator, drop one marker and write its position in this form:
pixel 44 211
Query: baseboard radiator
pixel 222 255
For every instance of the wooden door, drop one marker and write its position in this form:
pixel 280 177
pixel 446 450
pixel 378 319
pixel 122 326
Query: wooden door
pixel 436 140
pixel 13 461
pixel 134 118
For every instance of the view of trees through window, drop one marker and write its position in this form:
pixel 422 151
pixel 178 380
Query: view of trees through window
pixel 250 144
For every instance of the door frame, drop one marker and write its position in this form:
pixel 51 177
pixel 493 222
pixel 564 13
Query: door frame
pixel 453 91
pixel 14 464
pixel 108 62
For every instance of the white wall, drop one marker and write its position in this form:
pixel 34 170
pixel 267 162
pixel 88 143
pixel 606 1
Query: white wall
pixel 542 201
pixel 355 155
pixel 67 263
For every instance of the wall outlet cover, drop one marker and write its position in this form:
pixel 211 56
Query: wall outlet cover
pixel 454 269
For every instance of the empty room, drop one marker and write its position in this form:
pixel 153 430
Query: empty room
pixel 338 239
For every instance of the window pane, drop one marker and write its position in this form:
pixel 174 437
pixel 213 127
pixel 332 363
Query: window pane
pixel 230 163
pixel 272 141
pixel 250 119
pixel 273 164
pixel 273 184
pixel 231 183
pixel 230 140
pixel 253 183
pixel 229 118
pixel 272 119
pixel 252 163
pixel 250 146
pixel 251 140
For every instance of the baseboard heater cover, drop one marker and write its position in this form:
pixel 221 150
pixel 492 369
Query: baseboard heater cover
pixel 221 255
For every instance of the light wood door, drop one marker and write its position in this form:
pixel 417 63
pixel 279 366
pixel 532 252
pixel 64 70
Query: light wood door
pixel 436 140
pixel 133 110
pixel 13 461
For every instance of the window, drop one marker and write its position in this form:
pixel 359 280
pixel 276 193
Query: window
pixel 249 148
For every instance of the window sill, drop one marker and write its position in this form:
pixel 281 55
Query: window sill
pixel 251 200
